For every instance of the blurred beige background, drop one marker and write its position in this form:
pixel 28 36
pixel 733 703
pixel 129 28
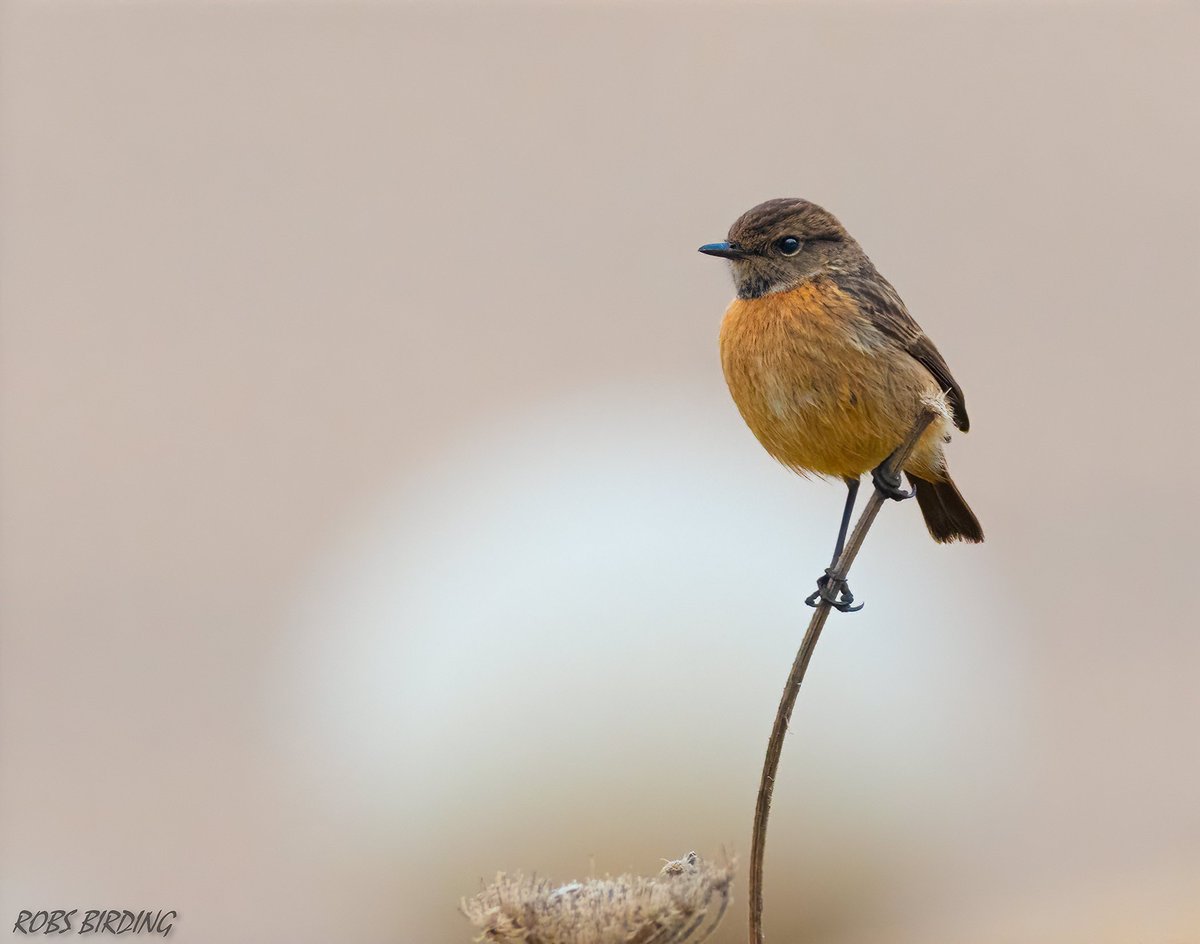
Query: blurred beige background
pixel 374 517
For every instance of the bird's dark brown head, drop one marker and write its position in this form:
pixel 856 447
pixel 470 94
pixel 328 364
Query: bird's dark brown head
pixel 779 244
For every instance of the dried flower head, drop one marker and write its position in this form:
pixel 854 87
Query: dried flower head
pixel 684 902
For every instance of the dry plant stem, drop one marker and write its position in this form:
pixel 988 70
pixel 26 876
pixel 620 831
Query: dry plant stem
pixel 766 786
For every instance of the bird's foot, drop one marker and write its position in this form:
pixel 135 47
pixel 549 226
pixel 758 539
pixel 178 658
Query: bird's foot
pixel 834 591
pixel 888 484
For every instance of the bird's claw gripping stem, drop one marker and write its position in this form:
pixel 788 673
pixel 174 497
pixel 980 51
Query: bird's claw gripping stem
pixel 834 591
pixel 887 483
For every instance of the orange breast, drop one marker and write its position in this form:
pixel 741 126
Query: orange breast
pixel 821 388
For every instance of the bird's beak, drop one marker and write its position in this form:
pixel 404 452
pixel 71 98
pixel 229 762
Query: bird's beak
pixel 724 250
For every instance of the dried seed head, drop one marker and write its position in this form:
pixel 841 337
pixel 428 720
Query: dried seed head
pixel 684 902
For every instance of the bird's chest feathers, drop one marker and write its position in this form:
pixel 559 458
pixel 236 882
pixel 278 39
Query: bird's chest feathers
pixel 798 350
pixel 801 366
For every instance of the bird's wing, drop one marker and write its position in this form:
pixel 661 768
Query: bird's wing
pixel 881 304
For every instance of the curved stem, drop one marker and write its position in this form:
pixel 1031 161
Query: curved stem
pixel 766 786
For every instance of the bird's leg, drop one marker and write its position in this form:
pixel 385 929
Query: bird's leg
pixel 888 483
pixel 851 495
pixel 835 591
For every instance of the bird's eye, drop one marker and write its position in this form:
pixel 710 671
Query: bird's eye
pixel 789 245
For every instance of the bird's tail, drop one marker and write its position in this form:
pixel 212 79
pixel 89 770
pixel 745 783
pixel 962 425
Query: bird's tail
pixel 947 514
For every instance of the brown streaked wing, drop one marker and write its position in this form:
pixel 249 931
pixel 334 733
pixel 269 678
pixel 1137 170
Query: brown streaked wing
pixel 881 303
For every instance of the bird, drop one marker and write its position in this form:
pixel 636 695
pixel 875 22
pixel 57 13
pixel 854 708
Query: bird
pixel 830 371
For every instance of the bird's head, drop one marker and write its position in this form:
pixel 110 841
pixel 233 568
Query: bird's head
pixel 779 244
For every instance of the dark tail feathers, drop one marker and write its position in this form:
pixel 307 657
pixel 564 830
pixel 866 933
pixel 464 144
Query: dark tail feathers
pixel 946 513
